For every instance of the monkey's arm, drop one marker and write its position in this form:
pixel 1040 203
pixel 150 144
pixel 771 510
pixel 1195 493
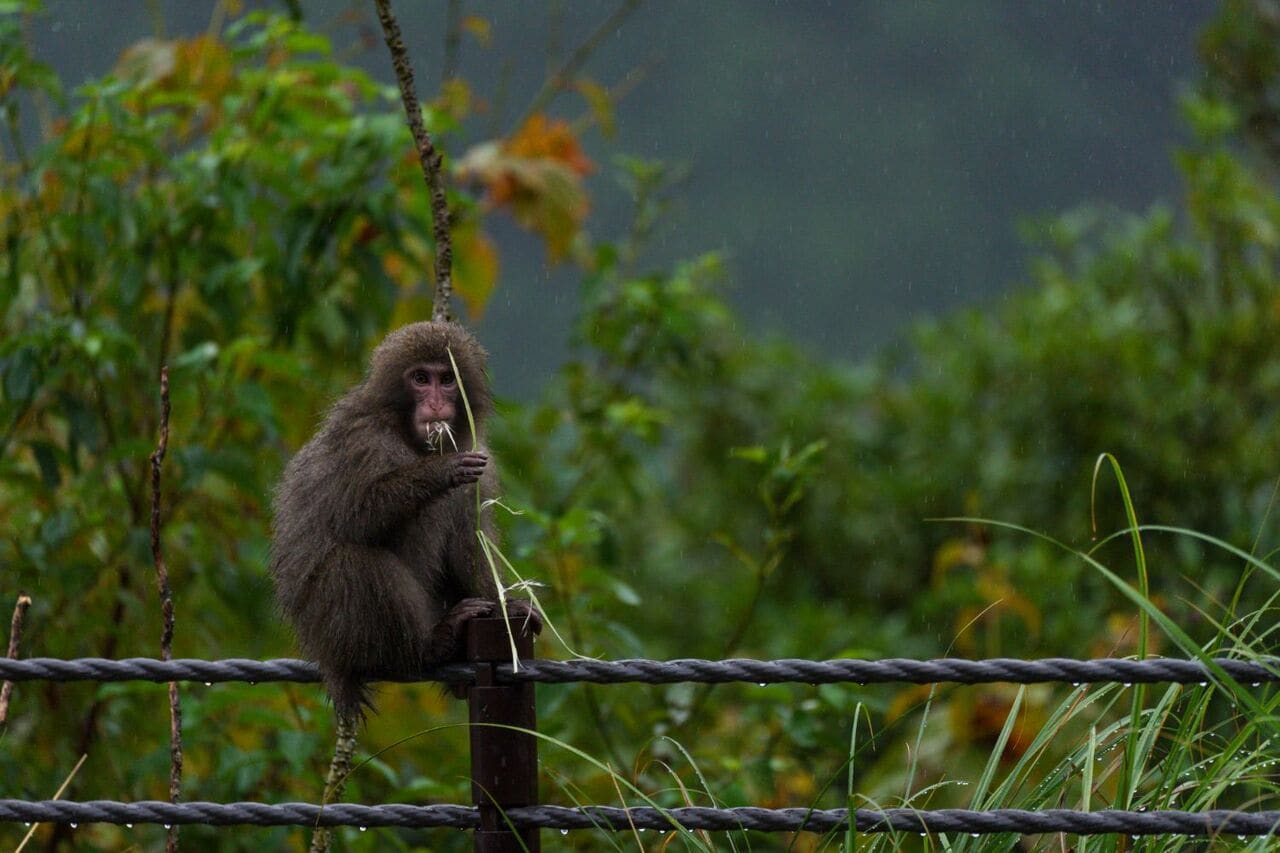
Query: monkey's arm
pixel 381 505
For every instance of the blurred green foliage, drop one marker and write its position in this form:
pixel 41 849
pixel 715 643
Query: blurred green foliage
pixel 245 208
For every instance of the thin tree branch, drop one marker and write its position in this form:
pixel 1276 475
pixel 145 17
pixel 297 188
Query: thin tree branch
pixel 15 637
pixel 557 80
pixel 452 41
pixel 430 159
pixel 343 751
pixel 166 609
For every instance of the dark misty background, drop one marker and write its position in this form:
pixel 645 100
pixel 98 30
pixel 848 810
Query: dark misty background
pixel 862 163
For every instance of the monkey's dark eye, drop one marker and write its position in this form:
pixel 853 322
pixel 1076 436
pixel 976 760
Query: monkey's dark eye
pixel 421 377
pixel 447 379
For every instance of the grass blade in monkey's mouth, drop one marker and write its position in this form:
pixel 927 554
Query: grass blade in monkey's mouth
pixel 435 432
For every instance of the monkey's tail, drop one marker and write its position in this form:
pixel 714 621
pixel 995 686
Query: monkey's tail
pixel 352 697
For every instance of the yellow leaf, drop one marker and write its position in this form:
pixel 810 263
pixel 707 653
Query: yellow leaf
pixel 475 268
pixel 394 265
pixel 479 28
pixel 600 104
pixel 454 99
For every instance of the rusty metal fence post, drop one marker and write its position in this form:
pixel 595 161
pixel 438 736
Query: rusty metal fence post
pixel 504 762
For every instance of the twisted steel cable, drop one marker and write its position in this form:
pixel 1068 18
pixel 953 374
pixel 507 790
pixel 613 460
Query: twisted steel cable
pixel 900 670
pixel 1208 823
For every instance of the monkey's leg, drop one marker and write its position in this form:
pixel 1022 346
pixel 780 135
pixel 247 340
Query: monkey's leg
pixel 367 615
pixel 446 637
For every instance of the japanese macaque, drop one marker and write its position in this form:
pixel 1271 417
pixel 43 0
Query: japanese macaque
pixel 375 555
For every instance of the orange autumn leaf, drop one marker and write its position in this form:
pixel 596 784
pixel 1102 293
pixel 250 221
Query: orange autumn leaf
pixel 475 267
pixel 537 175
pixel 541 137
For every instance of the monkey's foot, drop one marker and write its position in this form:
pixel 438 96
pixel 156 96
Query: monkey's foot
pixel 521 612
pixel 446 637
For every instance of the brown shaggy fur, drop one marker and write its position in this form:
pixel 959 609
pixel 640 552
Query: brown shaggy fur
pixel 374 535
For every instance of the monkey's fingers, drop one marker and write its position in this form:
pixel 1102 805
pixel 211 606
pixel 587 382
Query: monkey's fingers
pixel 468 467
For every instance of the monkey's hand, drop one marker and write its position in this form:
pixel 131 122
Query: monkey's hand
pixel 465 467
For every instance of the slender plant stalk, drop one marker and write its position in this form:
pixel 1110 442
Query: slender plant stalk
pixel 429 158
pixel 481 539
pixel 339 769
pixel 166 609
pixel 15 638
pixel 57 795
pixel 1129 769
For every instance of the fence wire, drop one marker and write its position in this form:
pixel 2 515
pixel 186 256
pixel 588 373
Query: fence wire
pixel 1210 823
pixel 899 670
pixel 793 671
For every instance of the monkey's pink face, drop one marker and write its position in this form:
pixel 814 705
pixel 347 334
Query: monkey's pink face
pixel 434 391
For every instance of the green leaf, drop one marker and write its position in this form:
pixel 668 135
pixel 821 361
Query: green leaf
pixel 21 375
pixel 47 458
pixel 198 356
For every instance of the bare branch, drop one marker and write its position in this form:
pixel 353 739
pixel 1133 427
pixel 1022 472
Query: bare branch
pixel 166 609
pixel 452 41
pixel 558 79
pixel 15 637
pixel 430 159
pixel 339 769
